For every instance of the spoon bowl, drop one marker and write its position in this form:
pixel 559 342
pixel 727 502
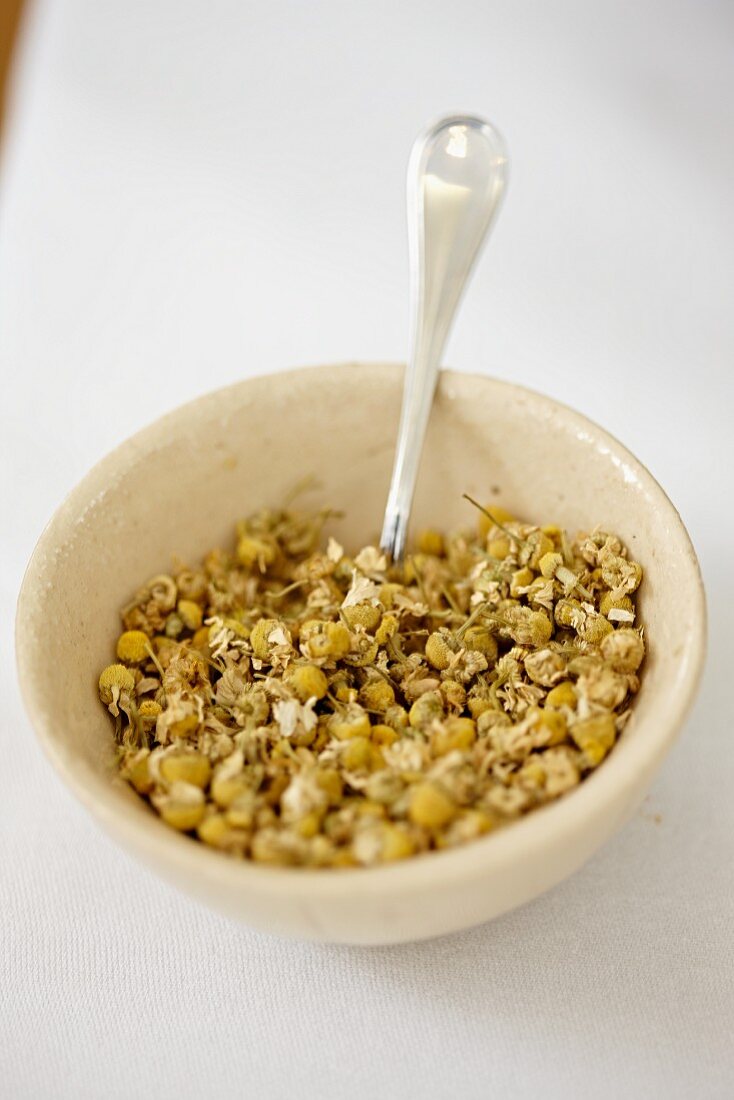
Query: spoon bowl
pixel 179 485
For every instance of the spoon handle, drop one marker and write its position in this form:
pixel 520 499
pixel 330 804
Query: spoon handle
pixel 456 178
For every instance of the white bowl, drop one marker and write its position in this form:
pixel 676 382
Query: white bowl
pixel 179 485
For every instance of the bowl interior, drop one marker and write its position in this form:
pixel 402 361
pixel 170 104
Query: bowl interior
pixel 177 488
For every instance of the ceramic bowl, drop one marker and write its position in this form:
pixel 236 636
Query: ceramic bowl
pixel 179 485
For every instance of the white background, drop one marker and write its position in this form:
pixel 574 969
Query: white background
pixel 193 192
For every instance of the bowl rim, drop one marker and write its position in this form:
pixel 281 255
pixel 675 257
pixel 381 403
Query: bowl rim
pixel 540 830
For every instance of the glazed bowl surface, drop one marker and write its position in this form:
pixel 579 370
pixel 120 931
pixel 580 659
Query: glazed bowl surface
pixel 178 486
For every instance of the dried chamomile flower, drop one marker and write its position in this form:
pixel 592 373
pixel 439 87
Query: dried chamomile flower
pixel 291 703
pixel 534 548
pixel 366 615
pixel 431 542
pixel 174 625
pixel 352 721
pixel 308 681
pixel 152 603
pixel 600 684
pixel 569 613
pixel 430 807
pixel 618 609
pixel 620 575
pixel 192 586
pixel 383 843
pixel 182 806
pixel 561 771
pixel 387 629
pixel 323 640
pixel 545 666
pixel 255 552
pixel 492 517
pixel 149 710
pixel 624 650
pixel 293 717
pixel 377 695
pixel 266 634
pixel 550 563
pixel 453 735
pixel 190 615
pixel 362 590
pixel 562 695
pixel 426 709
pixel 362 651
pixel 396 717
pixel 186 766
pixel 361 754
pixel 594 736
pixel 186 673
pixel 116 683
pixel 135 769
pixel 520 582
pixel 479 638
pixel 453 693
pixel 133 647
pixel 440 648
pixel 527 627
pixel 466 665
pixel 229 780
pixel 594 627
pixel 383 735
pixel 550 725
pixel 215 830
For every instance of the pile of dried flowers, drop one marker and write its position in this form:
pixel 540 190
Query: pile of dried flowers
pixel 291 704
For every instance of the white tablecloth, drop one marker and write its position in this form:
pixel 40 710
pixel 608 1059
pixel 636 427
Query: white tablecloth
pixel 195 192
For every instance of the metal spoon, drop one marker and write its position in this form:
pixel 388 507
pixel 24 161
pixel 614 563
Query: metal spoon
pixel 456 179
